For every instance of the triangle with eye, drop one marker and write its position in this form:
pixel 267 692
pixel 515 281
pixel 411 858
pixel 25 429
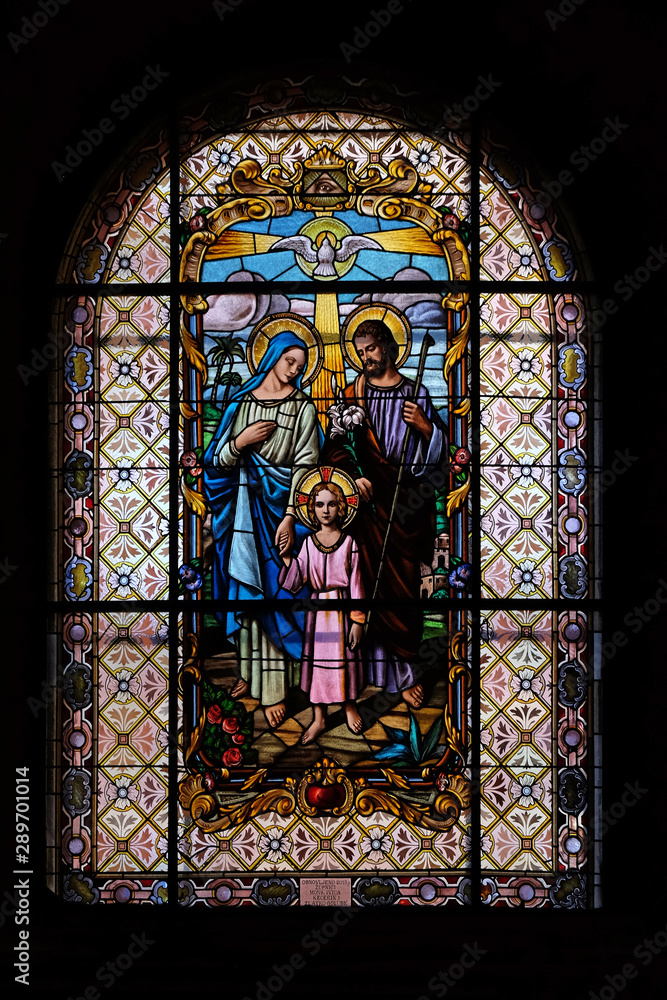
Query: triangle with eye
pixel 324 183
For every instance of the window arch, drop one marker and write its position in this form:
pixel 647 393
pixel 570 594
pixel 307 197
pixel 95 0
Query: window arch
pixel 182 779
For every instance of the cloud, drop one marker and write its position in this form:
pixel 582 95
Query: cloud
pixel 428 314
pixel 237 311
pixel 403 300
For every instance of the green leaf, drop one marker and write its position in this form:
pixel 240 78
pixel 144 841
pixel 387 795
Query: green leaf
pixel 432 737
pixel 395 751
pixel 415 739
pixel 399 736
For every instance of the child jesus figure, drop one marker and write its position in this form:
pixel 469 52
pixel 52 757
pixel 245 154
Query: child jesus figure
pixel 328 563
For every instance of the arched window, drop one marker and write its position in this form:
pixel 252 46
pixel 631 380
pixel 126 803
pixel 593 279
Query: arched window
pixel 324 521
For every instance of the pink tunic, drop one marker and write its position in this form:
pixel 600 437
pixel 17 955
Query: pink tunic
pixel 330 671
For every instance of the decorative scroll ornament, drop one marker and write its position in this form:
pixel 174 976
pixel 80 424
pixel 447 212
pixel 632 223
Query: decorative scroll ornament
pixel 193 499
pixel 326 787
pixel 458 346
pixel 456 498
pixel 324 183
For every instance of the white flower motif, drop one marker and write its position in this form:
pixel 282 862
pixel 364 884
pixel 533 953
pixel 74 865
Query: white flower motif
pixel 526 685
pixel 163 739
pixel 526 365
pixel 523 259
pixel 275 844
pixel 123 792
pixel 123 580
pixel 486 737
pixel 376 844
pixel 162 633
pixel 163 526
pixel 485 843
pixel 486 523
pixel 526 472
pixel 163 315
pixel 123 686
pixel 126 264
pixel 124 476
pixel 424 157
pixel 184 846
pixel 485 312
pixel 343 418
pixel 124 369
pixel 222 158
pixel 164 208
pixel 527 790
pixel 485 208
pixel 486 416
pixel 527 576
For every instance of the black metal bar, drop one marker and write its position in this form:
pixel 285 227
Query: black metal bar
pixel 174 497
pixel 475 516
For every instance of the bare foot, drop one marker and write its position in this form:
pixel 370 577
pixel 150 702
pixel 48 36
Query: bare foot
pixel 314 729
pixel 275 714
pixel 354 720
pixel 413 696
pixel 240 689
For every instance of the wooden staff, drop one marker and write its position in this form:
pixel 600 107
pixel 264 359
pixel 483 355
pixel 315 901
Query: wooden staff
pixel 426 344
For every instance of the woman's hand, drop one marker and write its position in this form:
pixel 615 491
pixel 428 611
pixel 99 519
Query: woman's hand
pixel 415 417
pixel 365 488
pixel 354 638
pixel 255 433
pixel 284 540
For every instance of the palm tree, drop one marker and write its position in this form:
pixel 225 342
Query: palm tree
pixel 228 348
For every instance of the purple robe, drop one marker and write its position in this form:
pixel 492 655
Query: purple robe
pixel 391 647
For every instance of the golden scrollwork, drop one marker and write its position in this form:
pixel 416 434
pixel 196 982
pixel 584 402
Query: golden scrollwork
pixel 338 795
pixel 194 500
pixel 192 352
pixel 457 348
pixel 246 179
pixel 203 807
pixel 450 804
pixel 188 412
pixel 370 800
pixel 456 498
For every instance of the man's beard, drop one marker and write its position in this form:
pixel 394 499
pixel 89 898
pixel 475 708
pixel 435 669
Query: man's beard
pixel 376 368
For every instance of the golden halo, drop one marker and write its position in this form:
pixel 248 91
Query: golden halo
pixel 390 315
pixel 261 335
pixel 325 474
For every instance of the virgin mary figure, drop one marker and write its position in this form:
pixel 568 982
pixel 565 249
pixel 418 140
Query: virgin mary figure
pixel 268 437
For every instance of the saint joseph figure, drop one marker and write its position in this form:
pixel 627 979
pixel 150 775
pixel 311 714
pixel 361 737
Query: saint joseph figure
pixel 387 399
pixel 268 437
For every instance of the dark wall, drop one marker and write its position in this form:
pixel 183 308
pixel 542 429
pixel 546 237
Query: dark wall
pixel 561 76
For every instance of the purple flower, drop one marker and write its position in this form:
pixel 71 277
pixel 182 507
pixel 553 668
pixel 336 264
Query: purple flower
pixel 460 576
pixel 190 577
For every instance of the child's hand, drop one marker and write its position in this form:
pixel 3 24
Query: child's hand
pixel 284 539
pixel 354 638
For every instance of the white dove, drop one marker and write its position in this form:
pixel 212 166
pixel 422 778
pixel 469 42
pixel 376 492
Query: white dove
pixel 325 254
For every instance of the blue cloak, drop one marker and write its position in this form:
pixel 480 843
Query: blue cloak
pixel 248 503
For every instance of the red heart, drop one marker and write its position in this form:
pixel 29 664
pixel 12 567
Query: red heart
pixel 325 796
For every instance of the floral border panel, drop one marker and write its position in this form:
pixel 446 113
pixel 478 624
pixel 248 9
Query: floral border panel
pixel 576 501
pixel 518 445
pixel 124 231
pixel 520 236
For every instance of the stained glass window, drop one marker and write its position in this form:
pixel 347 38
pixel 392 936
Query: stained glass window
pixel 324 545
